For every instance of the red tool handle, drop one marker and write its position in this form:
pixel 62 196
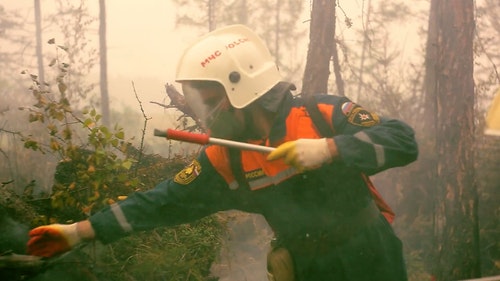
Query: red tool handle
pixel 206 139
pixel 182 136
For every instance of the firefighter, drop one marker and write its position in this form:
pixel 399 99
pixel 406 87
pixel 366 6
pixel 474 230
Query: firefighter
pixel 314 191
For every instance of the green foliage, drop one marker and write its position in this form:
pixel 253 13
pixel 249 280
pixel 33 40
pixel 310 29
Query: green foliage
pixel 181 253
pixel 98 167
pixel 75 22
pixel 85 175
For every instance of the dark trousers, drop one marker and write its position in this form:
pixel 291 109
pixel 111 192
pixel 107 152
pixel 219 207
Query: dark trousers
pixel 374 254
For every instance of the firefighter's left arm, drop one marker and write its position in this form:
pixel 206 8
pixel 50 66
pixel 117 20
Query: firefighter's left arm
pixel 372 144
pixel 361 140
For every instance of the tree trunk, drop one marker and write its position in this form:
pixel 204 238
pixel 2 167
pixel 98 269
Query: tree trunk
pixel 431 68
pixel 39 53
pixel 429 117
pixel 456 226
pixel 339 81
pixel 277 31
pixel 321 40
pixel 211 15
pixel 365 45
pixel 103 57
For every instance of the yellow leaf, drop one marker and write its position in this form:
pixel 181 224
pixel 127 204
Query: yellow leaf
pixel 54 145
pixel 62 88
pixel 86 209
pixel 127 164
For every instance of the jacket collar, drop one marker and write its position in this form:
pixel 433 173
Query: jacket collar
pixel 278 131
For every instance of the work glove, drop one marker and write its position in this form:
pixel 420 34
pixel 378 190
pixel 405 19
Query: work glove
pixel 50 240
pixel 303 154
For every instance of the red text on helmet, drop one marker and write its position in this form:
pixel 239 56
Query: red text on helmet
pixel 211 58
pixel 218 53
pixel 236 43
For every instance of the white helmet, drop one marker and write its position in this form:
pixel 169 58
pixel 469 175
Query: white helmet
pixel 235 57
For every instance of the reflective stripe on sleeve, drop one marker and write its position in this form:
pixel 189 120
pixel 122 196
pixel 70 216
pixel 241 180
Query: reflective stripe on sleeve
pixel 120 217
pixel 379 150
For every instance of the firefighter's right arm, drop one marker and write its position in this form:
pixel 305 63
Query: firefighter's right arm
pixel 195 192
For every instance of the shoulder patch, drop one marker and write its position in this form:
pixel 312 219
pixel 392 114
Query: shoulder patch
pixel 361 117
pixel 189 173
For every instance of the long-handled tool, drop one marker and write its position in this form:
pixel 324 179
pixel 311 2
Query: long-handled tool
pixel 206 139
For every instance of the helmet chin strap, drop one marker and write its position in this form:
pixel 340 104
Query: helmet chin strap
pixel 252 129
pixel 238 124
pixel 215 110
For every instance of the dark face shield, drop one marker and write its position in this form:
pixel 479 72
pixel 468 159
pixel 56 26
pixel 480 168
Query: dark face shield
pixel 209 102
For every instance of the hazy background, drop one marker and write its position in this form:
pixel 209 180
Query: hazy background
pixel 144 43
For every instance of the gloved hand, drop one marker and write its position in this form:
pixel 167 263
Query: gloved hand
pixel 50 240
pixel 303 154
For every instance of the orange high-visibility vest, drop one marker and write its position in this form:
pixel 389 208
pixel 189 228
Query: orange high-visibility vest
pixel 261 173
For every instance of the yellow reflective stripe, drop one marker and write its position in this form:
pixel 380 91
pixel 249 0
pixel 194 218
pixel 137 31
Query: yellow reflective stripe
pixel 120 217
pixel 267 180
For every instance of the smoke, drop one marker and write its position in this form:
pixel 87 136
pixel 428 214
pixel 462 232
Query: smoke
pixel 244 251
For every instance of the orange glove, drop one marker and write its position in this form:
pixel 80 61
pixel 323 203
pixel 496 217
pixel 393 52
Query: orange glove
pixel 50 240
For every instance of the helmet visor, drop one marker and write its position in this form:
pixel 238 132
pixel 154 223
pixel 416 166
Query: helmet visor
pixel 209 102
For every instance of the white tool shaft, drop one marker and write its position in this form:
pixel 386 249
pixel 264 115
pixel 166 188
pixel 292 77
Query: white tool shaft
pixel 241 145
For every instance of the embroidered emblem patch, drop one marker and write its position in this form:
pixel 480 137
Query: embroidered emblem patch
pixel 361 117
pixel 189 173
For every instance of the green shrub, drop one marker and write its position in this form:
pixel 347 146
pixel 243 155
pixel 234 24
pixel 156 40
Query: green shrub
pixel 100 170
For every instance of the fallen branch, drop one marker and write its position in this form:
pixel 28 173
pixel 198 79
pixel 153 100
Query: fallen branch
pixel 178 102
